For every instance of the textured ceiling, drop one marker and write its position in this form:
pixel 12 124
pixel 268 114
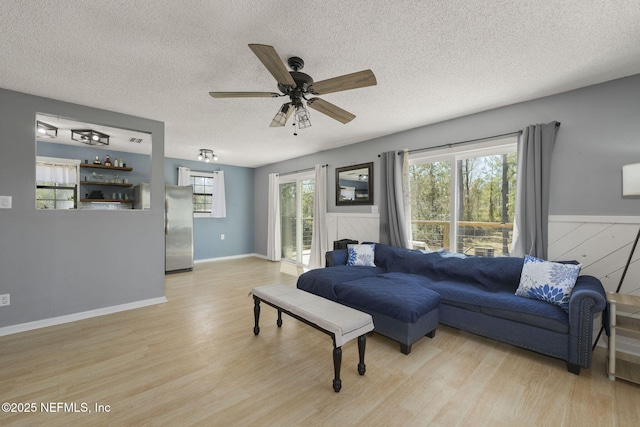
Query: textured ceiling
pixel 434 60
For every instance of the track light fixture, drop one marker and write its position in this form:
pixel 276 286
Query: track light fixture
pixel 45 130
pixel 207 155
pixel 89 136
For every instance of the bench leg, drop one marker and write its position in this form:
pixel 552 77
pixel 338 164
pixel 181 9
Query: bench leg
pixel 337 361
pixel 362 344
pixel 279 321
pixel 256 315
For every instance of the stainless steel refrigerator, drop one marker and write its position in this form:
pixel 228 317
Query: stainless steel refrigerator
pixel 178 223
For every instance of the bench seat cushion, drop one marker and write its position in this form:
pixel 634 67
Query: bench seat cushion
pixel 344 322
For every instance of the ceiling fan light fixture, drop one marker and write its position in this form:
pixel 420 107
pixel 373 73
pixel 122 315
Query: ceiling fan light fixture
pixel 302 117
pixel 282 116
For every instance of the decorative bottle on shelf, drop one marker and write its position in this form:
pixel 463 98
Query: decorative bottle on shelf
pixel 96 161
pixel 107 161
pixel 115 163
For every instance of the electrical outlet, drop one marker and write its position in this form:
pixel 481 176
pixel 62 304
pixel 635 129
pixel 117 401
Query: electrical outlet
pixel 5 300
pixel 222 237
pixel 5 202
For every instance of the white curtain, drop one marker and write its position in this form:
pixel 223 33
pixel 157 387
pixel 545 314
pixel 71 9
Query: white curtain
pixel 218 202
pixel 58 173
pixel 184 177
pixel 531 222
pixel 396 181
pixel 273 219
pixel 319 233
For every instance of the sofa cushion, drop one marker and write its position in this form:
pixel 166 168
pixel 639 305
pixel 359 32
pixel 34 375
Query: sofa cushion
pixel 494 274
pixel 387 255
pixel 321 281
pixel 548 281
pixel 405 301
pixel 502 304
pixel 361 255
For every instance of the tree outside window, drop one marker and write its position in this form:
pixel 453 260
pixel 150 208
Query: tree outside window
pixel 464 201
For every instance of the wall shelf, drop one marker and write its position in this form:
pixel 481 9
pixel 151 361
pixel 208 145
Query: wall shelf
pixel 91 165
pixel 105 201
pixel 111 184
pixel 123 198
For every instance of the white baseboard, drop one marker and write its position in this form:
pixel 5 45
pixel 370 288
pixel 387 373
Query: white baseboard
pixel 225 258
pixel 29 326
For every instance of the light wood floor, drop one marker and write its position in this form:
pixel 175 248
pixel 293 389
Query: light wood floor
pixel 195 361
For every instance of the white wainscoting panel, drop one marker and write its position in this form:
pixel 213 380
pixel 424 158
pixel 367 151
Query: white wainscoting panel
pixel 602 244
pixel 363 227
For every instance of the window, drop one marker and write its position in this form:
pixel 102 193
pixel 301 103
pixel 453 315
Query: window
pixel 463 198
pixel 56 183
pixel 208 192
pixel 202 183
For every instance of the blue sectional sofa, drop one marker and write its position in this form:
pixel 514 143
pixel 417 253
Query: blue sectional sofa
pixel 408 292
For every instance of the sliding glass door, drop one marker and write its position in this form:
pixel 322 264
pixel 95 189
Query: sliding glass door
pixel 296 217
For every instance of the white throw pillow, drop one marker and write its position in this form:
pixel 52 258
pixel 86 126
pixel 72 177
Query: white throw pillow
pixel 548 281
pixel 362 255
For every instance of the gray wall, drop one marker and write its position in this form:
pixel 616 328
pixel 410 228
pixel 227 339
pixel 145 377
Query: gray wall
pixel 600 132
pixel 55 263
pixel 237 227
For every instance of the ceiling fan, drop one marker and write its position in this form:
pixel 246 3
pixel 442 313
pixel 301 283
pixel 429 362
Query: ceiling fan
pixel 299 86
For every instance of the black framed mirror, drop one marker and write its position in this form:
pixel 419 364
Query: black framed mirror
pixel 354 185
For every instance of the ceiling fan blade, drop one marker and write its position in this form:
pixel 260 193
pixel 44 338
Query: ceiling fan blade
pixel 270 58
pixel 283 115
pixel 244 94
pixel 331 110
pixel 347 82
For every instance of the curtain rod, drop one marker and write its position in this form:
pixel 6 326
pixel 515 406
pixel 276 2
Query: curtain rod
pixel 453 144
pixel 301 170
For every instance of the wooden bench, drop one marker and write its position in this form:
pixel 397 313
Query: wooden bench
pixel 340 322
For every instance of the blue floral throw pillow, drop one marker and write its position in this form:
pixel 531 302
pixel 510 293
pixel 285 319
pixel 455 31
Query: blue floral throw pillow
pixel 362 255
pixel 548 281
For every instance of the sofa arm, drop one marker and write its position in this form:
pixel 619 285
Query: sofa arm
pixel 336 257
pixel 587 298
